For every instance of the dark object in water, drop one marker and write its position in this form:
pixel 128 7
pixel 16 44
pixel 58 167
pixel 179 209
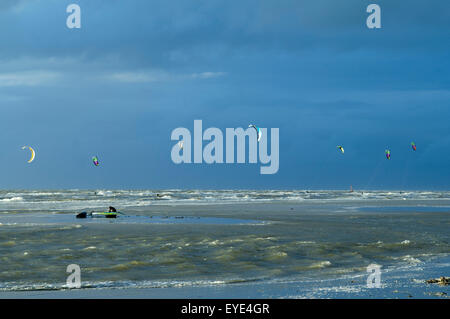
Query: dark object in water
pixel 94 215
pixel 441 281
pixel 82 215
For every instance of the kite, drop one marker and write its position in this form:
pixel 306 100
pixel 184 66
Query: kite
pixel 258 131
pixel 341 148
pixel 95 161
pixel 388 154
pixel 33 154
pixel 413 145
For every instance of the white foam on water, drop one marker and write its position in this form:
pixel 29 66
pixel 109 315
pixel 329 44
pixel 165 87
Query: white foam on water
pixel 73 199
pixel 12 199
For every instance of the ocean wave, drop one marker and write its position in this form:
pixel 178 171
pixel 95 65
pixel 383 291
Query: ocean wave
pixel 12 199
pixel 17 286
pixel 409 259
pixel 320 264
pixel 83 199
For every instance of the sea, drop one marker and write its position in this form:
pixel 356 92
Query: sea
pixel 321 240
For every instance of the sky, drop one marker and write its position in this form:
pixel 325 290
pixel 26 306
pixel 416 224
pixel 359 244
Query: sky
pixel 136 70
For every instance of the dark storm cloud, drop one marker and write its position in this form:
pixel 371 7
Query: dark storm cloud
pixel 138 69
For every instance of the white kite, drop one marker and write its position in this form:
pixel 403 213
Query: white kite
pixel 258 131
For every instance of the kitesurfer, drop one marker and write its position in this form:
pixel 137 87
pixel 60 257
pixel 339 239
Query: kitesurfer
pixel 112 209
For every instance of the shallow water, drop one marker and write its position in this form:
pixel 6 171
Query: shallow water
pixel 203 238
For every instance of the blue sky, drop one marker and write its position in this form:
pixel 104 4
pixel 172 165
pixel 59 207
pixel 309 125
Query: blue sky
pixel 136 70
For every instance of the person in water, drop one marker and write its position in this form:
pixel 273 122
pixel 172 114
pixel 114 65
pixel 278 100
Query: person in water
pixel 112 209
